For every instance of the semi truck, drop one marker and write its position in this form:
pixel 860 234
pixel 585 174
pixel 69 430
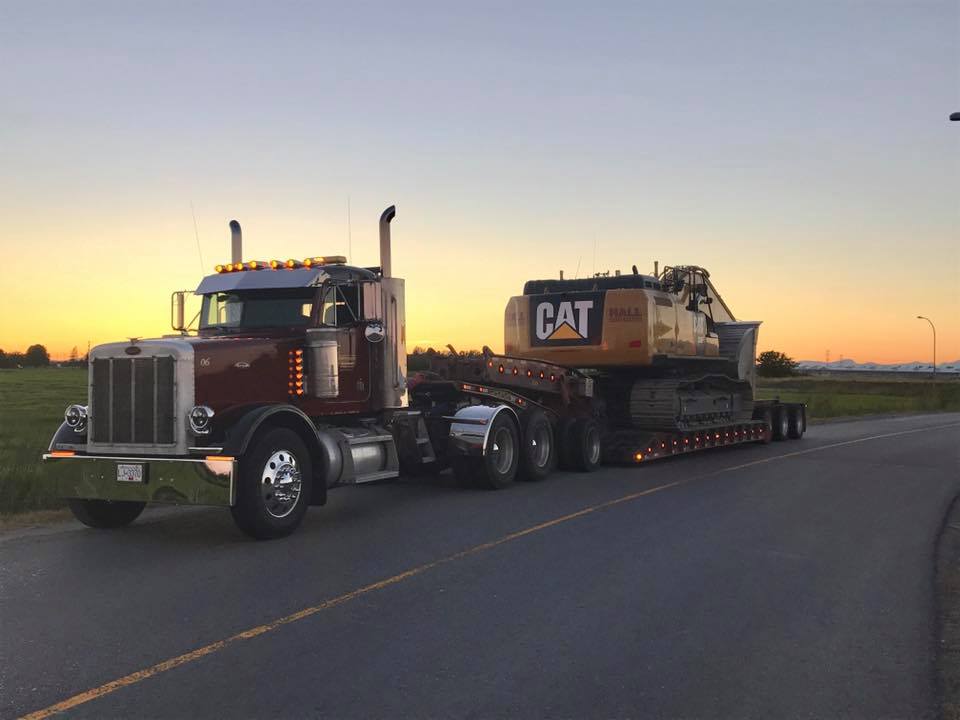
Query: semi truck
pixel 295 382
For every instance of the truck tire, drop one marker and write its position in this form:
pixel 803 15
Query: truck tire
pixel 781 422
pixel 105 513
pixel 585 447
pixel 497 468
pixel 538 453
pixel 796 422
pixel 273 490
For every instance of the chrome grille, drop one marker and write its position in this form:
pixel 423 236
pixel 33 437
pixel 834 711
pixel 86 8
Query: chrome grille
pixel 132 401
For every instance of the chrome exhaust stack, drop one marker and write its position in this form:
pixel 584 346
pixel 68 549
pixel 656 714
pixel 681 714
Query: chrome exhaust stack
pixel 236 242
pixel 385 219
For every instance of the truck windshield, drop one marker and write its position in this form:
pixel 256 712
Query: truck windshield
pixel 257 309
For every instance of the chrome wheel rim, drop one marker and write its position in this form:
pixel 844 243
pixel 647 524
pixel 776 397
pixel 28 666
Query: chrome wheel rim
pixel 502 450
pixel 280 483
pixel 540 442
pixel 593 446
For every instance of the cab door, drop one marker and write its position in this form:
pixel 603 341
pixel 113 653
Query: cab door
pixel 340 308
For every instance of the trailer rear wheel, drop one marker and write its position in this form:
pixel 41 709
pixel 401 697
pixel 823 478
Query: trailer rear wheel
pixel 796 421
pixel 105 514
pixel 584 442
pixel 274 485
pixel 538 454
pixel 781 422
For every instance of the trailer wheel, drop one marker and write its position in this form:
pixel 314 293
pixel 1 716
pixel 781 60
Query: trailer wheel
pixel 105 514
pixel 796 422
pixel 584 441
pixel 538 454
pixel 274 485
pixel 497 467
pixel 781 422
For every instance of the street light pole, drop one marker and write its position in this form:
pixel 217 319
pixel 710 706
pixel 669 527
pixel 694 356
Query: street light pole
pixel 932 327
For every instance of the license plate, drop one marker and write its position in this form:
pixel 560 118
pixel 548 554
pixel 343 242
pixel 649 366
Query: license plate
pixel 129 473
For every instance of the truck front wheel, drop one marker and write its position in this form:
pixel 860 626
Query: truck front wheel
pixel 274 485
pixel 105 513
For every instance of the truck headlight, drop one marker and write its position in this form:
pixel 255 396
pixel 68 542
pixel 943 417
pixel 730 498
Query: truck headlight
pixel 200 417
pixel 76 417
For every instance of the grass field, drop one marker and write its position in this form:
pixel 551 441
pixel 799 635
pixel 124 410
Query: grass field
pixel 829 398
pixel 32 404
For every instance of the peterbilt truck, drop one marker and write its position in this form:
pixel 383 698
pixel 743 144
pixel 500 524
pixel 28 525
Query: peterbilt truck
pixel 295 382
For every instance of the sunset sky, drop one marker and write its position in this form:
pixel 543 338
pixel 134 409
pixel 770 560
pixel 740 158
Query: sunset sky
pixel 799 150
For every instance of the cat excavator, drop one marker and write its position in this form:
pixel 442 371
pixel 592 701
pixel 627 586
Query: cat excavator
pixel 666 351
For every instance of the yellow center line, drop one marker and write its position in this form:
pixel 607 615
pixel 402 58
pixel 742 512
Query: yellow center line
pixel 175 662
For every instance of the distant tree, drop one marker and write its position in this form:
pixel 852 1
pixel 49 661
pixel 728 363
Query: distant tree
pixel 36 356
pixel 775 364
pixel 74 355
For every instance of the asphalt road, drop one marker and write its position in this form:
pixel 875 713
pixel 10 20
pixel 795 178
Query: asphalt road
pixel 787 580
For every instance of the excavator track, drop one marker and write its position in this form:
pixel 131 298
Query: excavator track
pixel 678 404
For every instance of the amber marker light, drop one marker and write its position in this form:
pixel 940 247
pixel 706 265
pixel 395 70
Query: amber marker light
pixel 62 453
pixel 638 457
pixel 274 264
pixel 219 458
pixel 219 268
pixel 291 264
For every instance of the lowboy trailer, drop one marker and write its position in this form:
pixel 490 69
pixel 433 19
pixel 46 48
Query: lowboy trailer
pixel 296 382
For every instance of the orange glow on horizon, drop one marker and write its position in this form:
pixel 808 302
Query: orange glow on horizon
pixel 807 307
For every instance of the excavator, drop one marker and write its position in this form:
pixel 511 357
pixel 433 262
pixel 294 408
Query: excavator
pixel 665 350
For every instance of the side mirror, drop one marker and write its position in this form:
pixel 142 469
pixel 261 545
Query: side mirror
pixel 178 304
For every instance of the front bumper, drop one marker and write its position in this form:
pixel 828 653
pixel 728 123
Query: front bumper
pixel 180 481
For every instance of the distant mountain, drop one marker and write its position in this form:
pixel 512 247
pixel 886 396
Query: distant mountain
pixel 853 366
